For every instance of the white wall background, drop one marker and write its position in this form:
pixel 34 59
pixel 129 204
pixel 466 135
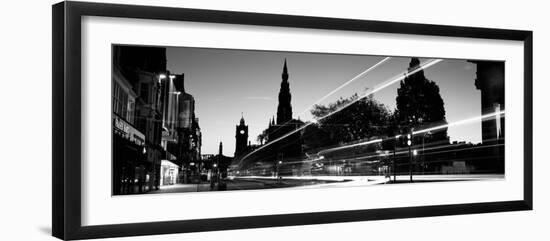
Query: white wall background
pixel 25 139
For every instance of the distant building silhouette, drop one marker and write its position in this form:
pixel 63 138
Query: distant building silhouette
pixel 241 137
pixel 490 81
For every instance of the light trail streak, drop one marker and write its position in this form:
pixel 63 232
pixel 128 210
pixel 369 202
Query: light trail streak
pixel 424 152
pixel 385 84
pixel 345 84
pixel 458 150
pixel 377 88
pixel 456 123
pixel 461 122
pixel 341 86
pixel 404 150
pixel 349 146
pixel 365 159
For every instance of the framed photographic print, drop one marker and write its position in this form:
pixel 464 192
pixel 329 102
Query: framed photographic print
pixel 170 120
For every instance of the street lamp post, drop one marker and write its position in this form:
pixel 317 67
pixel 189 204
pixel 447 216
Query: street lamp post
pixel 394 161
pixel 423 149
pixel 278 175
pixel 214 166
pixel 422 165
pixel 160 93
pixel 409 143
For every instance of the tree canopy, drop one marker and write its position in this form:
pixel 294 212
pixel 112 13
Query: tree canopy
pixel 347 120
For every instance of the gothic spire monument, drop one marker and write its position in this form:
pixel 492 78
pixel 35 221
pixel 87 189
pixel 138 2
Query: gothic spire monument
pixel 284 110
pixel 282 143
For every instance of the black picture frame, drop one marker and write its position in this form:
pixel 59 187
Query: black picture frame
pixel 66 122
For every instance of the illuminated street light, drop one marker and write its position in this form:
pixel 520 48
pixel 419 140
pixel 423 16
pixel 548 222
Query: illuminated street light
pixel 278 175
pixel 415 152
pixel 161 77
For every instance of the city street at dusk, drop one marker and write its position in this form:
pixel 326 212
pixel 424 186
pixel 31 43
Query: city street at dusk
pixel 300 120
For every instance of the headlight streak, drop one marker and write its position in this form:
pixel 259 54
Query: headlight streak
pixel 500 114
pixel 350 146
pixel 425 152
pixel 345 84
pixel 362 74
pixel 404 150
pixel 377 88
pixel 385 84
pixel 365 159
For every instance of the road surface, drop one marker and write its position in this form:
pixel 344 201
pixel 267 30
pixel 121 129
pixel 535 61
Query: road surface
pixel 259 182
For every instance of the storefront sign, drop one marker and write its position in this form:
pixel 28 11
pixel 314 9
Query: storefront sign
pixel 128 131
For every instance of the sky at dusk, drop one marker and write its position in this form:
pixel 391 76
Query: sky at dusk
pixel 226 83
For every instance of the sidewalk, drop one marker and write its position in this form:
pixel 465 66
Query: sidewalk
pixel 183 188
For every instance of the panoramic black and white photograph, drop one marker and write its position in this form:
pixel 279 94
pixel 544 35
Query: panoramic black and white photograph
pixel 188 119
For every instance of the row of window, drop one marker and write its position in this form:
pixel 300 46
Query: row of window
pixel 122 104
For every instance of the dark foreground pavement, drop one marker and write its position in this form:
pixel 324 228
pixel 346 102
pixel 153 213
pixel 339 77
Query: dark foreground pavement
pixel 240 184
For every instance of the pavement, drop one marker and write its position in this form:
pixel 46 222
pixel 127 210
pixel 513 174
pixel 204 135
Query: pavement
pixel 261 182
pixel 244 183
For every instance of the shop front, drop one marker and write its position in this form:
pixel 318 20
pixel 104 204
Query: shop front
pixel 169 173
pixel 131 170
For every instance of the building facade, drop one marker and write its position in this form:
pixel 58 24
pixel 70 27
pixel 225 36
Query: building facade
pixel 490 81
pixel 181 134
pixel 129 163
pixel 153 122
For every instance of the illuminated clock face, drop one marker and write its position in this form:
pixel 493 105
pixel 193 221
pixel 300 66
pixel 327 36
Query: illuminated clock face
pixel 242 132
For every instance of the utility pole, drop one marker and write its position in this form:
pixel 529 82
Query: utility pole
pixel 409 143
pixel 394 161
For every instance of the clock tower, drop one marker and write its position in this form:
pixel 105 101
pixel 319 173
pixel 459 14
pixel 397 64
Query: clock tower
pixel 241 137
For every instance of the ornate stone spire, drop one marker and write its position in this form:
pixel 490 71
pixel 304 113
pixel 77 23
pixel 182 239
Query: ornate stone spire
pixel 284 110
